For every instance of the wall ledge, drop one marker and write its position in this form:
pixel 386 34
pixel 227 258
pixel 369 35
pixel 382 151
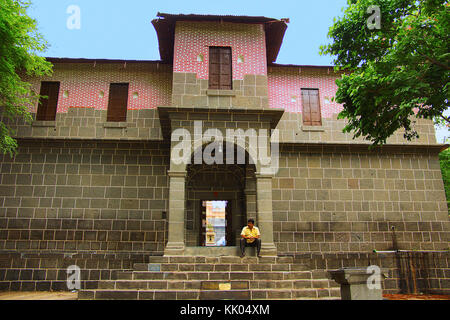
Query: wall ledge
pixel 49 124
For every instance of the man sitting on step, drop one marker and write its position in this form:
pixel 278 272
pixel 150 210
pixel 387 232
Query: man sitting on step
pixel 250 237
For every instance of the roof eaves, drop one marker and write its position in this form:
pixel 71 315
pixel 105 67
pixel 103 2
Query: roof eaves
pixel 90 60
pixel 165 29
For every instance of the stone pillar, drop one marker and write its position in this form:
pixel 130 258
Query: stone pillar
pixel 250 195
pixel 176 239
pixel 265 214
pixel 359 283
pixel 250 201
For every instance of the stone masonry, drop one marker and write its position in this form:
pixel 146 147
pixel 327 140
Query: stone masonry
pixel 110 197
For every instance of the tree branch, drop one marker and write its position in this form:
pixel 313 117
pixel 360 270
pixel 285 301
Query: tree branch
pixel 445 118
pixel 433 61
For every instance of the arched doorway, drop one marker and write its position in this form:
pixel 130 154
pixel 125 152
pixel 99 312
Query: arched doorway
pixel 217 204
pixel 239 183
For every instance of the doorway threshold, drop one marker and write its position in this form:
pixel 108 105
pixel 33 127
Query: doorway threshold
pixel 217 251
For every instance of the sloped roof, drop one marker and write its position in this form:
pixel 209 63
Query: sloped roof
pixel 165 29
pixel 101 60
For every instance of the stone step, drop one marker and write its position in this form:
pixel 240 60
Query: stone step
pixel 292 284
pixel 220 260
pixel 231 275
pixel 224 286
pixel 214 284
pixel 253 294
pixel 218 277
pixel 138 294
pixel 225 295
pixel 222 275
pixel 218 251
pixel 295 294
pixel 217 267
pixel 170 284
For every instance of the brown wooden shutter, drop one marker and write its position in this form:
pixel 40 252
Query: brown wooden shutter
pixel 118 101
pixel 47 106
pixel 311 107
pixel 225 69
pixel 220 68
pixel 214 68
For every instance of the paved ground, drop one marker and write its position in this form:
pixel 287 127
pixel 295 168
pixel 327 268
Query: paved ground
pixel 38 296
pixel 73 296
pixel 415 297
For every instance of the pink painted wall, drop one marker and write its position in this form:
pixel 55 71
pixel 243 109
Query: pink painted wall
pixel 287 82
pixel 194 38
pixel 154 85
pixel 84 82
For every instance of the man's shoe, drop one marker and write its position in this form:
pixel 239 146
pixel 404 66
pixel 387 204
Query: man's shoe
pixel 242 255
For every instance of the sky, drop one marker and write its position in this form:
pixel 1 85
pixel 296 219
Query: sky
pixel 116 29
pixel 122 29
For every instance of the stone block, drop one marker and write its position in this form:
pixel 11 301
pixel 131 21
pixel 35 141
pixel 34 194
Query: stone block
pixel 354 284
pixel 282 294
pixel 249 91
pixel 179 77
pixel 192 89
pixel 191 78
pixel 249 79
pixel 116 295
pixel 261 80
pixel 178 88
pixel 225 295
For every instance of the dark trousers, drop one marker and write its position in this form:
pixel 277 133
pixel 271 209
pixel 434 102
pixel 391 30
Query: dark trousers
pixel 256 243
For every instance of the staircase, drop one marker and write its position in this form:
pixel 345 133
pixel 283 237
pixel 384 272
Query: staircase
pixel 216 278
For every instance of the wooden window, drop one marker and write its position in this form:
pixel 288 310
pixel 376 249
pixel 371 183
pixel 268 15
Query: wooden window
pixel 220 72
pixel 311 107
pixel 47 106
pixel 118 102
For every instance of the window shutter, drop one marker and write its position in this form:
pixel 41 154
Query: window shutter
pixel 220 68
pixel 118 102
pixel 225 69
pixel 214 68
pixel 311 107
pixel 47 106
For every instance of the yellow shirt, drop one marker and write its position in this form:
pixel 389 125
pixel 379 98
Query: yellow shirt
pixel 250 233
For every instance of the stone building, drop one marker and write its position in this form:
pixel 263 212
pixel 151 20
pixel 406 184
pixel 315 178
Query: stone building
pixel 97 180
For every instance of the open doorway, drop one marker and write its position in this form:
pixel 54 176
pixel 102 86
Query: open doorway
pixel 215 229
pixel 227 184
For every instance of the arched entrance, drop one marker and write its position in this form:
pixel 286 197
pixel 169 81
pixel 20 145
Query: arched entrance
pixel 237 186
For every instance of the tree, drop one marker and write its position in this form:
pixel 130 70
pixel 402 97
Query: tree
pixel 393 74
pixel 20 42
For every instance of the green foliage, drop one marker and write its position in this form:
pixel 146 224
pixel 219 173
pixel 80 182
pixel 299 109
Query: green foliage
pixel 19 45
pixel 394 74
pixel 444 159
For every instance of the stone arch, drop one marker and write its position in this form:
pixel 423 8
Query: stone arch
pixel 240 146
pixel 259 192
